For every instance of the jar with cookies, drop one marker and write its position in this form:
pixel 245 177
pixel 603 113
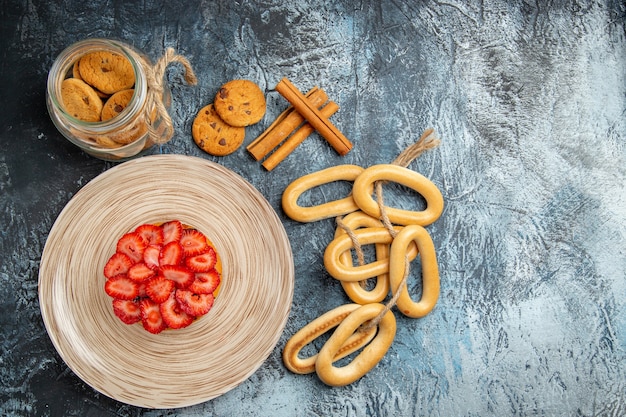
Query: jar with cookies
pixel 103 97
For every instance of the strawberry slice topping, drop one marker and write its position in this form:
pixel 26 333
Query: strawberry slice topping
pixel 140 272
pixel 132 245
pixel 193 242
pixel 162 276
pixel 181 276
pixel 127 310
pixel 171 254
pixel 150 233
pixel 172 231
pixel 194 304
pixel 173 315
pixel 122 287
pixel 118 264
pixel 151 318
pixel 205 282
pixel 159 288
pixel 151 256
pixel 142 289
pixel 203 262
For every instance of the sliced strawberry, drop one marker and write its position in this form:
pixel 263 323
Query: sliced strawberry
pixel 205 282
pixel 142 289
pixel 171 254
pixel 118 264
pixel 203 262
pixel 173 315
pixel 194 304
pixel 172 231
pixel 127 310
pixel 132 245
pixel 151 318
pixel 181 276
pixel 140 272
pixel 151 256
pixel 159 288
pixel 193 242
pixel 151 234
pixel 122 287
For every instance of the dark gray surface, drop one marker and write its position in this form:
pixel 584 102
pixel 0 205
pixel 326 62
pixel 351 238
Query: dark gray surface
pixel 529 101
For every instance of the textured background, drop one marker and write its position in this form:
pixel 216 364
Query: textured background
pixel 529 99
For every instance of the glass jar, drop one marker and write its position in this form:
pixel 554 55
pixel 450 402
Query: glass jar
pixel 135 129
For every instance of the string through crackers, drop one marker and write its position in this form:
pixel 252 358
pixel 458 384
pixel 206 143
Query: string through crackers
pixel 155 77
pixel 399 236
pixel 426 141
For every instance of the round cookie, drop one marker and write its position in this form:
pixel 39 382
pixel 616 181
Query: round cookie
pixel 75 70
pixel 76 74
pixel 80 100
pixel 116 103
pixel 213 135
pixel 129 134
pixel 107 71
pixel 240 103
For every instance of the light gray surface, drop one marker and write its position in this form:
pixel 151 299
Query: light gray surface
pixel 529 101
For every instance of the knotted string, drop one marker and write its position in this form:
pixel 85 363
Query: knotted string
pixel 155 76
pixel 425 142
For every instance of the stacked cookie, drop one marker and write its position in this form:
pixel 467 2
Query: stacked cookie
pixel 100 88
pixel 219 127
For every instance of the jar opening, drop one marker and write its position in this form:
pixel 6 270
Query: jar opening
pixel 65 68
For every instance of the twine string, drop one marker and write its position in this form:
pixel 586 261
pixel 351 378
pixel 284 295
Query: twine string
pixel 162 131
pixel 355 240
pixel 426 141
pixel 383 211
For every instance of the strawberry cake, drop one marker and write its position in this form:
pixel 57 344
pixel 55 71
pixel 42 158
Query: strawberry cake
pixel 164 276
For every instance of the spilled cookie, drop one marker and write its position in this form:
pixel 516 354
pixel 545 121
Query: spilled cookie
pixel 240 103
pixel 213 135
pixel 219 128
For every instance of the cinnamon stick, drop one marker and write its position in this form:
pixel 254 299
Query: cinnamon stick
pixel 296 138
pixel 324 127
pixel 285 123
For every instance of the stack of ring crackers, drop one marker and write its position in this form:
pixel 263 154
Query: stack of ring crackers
pixel 399 236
